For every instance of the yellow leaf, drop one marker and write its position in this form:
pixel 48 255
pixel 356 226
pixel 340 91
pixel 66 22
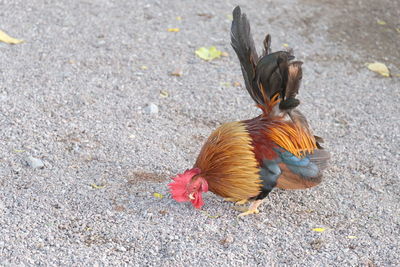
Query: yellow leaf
pixel 379 68
pixel 381 22
pixel 208 53
pixel 229 16
pixel 225 84
pixel 398 30
pixel 319 230
pixel 164 93
pixel 178 18
pixel 173 29
pixel 4 37
pixel 19 150
pixel 351 237
pixel 144 67
pixel 285 45
pixel 158 195
pixel 95 186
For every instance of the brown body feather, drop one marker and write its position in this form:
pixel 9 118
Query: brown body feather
pixel 228 163
pixel 290 180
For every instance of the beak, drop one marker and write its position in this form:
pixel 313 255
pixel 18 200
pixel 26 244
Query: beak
pixel 191 196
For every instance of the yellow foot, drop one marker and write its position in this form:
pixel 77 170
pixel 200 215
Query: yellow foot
pixel 248 212
pixel 253 209
pixel 241 202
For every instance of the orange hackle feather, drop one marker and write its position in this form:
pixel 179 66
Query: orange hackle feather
pixel 294 137
pixel 228 163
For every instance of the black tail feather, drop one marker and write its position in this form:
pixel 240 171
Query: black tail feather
pixel 243 44
pixel 267 45
pixel 272 73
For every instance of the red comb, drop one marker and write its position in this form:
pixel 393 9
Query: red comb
pixel 178 186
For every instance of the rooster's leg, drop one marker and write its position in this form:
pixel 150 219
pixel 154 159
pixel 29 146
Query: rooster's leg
pixel 240 202
pixel 253 209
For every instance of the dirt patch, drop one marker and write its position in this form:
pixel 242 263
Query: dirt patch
pixel 368 28
pixel 140 176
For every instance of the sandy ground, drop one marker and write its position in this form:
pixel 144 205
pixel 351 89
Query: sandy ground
pixel 74 96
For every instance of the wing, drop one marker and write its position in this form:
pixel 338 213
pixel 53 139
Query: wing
pixel 298 173
pixel 288 171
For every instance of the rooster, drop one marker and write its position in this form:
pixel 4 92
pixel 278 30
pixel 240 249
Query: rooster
pixel 243 161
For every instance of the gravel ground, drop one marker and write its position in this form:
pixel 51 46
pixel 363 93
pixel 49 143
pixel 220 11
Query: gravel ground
pixel 74 96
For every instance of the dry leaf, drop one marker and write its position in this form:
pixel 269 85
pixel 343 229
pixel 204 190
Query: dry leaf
pixel 158 195
pixel 95 186
pixel 236 84
pixel 319 230
pixel 19 150
pixel 398 30
pixel 285 45
pixel 209 215
pixel 119 208
pixel 164 94
pixel 173 29
pixel 206 15
pixel 208 54
pixel 224 54
pixel 144 67
pixel 163 212
pixel 379 68
pixel 178 72
pixel 229 16
pixel 381 22
pixel 4 37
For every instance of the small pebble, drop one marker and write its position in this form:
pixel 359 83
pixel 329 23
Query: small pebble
pixel 121 248
pixel 151 109
pixel 34 162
